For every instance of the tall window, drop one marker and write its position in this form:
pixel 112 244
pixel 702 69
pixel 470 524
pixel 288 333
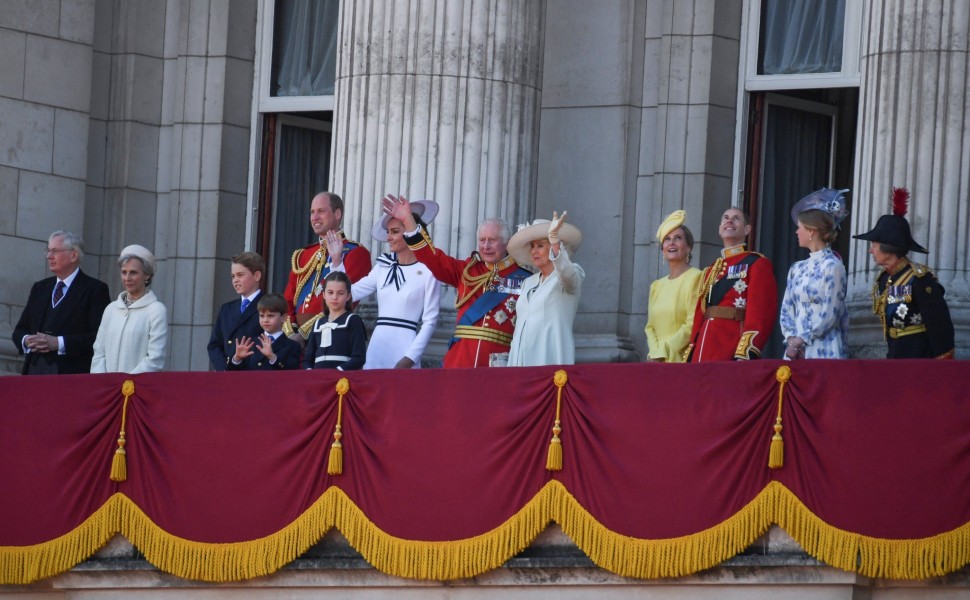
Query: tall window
pixel 293 115
pixel 798 101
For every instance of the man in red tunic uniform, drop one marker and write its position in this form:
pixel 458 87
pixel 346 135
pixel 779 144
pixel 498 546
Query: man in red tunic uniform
pixel 309 266
pixel 738 306
pixel 487 284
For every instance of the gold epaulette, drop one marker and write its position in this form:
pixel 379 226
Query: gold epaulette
pixel 424 241
pixel 307 327
pixel 921 270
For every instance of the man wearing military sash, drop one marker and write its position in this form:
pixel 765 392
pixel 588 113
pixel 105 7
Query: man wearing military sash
pixel 738 305
pixel 906 296
pixel 310 265
pixel 487 284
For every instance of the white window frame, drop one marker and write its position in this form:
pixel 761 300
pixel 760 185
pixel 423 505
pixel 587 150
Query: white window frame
pixel 264 71
pixel 263 102
pixel 753 82
pixel 851 44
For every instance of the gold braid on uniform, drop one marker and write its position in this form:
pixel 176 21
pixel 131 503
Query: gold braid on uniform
pixel 313 266
pixel 880 300
pixel 879 303
pixel 709 281
pixel 474 283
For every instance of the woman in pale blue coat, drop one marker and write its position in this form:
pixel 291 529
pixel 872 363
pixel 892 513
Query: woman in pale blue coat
pixel 548 300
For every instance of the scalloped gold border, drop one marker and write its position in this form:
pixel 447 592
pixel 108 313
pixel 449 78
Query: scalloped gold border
pixel 627 556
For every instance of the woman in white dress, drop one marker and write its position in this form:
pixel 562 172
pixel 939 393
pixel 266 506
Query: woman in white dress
pixel 814 318
pixel 548 300
pixel 408 295
pixel 133 336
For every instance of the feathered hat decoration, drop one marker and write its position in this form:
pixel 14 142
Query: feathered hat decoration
pixel 900 201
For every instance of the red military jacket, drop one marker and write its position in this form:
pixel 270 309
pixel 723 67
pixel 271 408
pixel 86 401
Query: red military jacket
pixel 308 268
pixel 485 301
pixel 737 309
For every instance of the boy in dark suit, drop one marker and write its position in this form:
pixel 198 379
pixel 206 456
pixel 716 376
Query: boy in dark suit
pixel 274 350
pixel 56 331
pixel 239 318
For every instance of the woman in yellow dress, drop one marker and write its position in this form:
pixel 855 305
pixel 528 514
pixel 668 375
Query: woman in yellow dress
pixel 670 313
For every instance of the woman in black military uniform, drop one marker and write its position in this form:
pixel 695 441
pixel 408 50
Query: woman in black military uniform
pixel 906 296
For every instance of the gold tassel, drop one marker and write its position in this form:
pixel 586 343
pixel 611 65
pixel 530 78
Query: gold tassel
pixel 554 458
pixel 119 467
pixel 335 464
pixel 776 456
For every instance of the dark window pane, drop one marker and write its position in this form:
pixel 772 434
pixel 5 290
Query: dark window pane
pixel 302 170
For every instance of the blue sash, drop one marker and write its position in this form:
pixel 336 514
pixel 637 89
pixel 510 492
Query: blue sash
pixel 490 299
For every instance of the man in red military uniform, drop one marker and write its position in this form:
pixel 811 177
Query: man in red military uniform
pixel 487 284
pixel 738 306
pixel 309 266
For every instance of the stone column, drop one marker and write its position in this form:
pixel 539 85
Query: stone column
pixel 914 131
pixel 438 99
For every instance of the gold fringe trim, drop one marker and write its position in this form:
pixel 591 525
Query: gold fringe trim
pixel 627 556
pixel 27 564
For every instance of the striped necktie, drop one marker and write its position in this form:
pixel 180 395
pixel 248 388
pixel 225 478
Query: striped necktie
pixel 58 292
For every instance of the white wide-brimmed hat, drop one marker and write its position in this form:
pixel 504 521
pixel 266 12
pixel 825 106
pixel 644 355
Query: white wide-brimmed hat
pixel 426 209
pixel 518 246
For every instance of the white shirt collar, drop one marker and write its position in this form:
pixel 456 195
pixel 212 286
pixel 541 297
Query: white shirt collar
pixel 70 278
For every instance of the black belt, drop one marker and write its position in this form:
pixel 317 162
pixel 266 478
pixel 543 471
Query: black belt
pixel 402 323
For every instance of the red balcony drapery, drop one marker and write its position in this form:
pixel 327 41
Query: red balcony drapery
pixel 665 467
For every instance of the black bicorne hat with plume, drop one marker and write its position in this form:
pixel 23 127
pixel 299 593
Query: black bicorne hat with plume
pixel 894 229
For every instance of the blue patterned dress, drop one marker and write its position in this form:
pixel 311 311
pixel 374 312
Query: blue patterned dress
pixel 814 305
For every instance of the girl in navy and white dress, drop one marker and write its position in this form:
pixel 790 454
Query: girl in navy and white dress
pixel 339 340
pixel 408 295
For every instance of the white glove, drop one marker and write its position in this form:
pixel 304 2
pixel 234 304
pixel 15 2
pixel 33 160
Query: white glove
pixel 554 227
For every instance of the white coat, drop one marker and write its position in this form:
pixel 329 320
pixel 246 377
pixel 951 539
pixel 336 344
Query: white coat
pixel 132 339
pixel 544 316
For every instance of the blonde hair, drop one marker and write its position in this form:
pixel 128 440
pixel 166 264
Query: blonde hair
pixel 820 221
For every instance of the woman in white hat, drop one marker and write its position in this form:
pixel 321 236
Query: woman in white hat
pixel 673 299
pixel 408 295
pixel 548 299
pixel 133 337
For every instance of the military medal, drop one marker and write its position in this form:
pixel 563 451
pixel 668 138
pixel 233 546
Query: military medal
pixel 738 271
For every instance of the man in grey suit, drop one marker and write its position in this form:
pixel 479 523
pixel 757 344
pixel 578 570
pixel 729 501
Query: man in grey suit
pixel 56 331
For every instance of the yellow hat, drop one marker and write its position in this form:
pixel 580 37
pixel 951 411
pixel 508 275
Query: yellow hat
pixel 673 221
